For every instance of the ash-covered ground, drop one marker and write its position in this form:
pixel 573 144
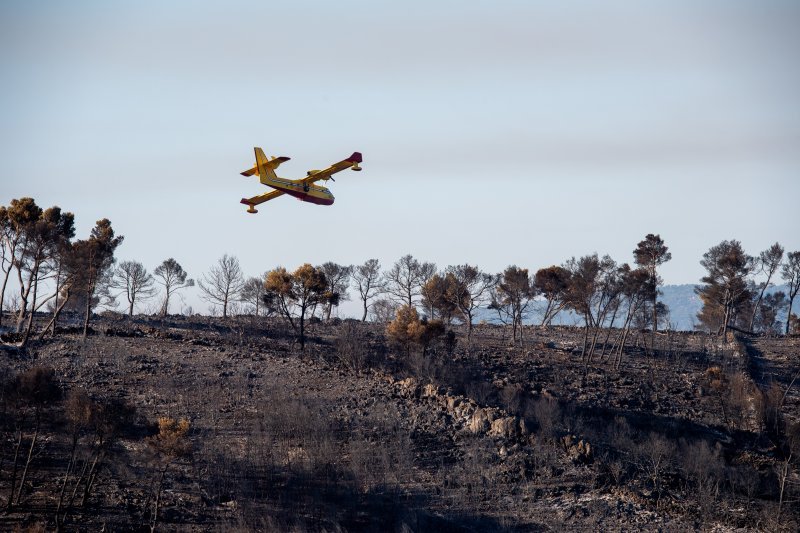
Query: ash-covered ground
pixel 195 424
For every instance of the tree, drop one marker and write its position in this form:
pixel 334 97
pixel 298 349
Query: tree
pixel 768 309
pixel 407 329
pixel 383 310
pixel 171 443
pixel 367 278
pixel 253 292
pixel 435 296
pixel 790 272
pixel 607 299
pixel 637 288
pixel 64 276
pixel 15 220
pixel 223 283
pixel 91 261
pixel 650 254
pixel 514 292
pixel 58 264
pixel 42 242
pixel 768 262
pixel 405 280
pixel 134 280
pixel 33 390
pixel 293 294
pixel 593 289
pixel 726 290
pixel 552 283
pixel 470 288
pixel 400 330
pixel 172 277
pixel 338 279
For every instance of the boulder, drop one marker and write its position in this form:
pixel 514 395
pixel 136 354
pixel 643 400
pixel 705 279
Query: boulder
pixel 430 391
pixel 481 420
pixel 505 427
pixel 408 387
pixel 452 403
pixel 580 451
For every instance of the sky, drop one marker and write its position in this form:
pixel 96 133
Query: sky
pixel 493 133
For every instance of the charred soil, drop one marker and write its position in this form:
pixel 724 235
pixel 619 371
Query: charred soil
pixel 201 423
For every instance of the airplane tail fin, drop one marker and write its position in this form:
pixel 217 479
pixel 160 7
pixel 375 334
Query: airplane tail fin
pixel 265 167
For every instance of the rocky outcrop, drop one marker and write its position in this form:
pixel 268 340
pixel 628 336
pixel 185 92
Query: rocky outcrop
pixel 579 451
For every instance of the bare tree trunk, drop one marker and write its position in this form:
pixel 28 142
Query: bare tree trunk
pixel 59 521
pixel 546 313
pixel 10 502
pixel 789 313
pixel 166 304
pixel 302 329
pixel 608 333
pixel 725 322
pixel 33 310
pixel 28 460
pixel 87 315
pixel 469 329
pixel 52 323
pixel 3 293
pixel 783 475
pixel 92 477
pixel 157 503
pixel 585 339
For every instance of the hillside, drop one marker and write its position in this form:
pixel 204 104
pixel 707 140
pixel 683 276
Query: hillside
pixel 354 435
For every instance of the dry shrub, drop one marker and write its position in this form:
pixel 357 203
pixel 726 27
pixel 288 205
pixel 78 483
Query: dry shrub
pixel 548 416
pixel 352 349
pixel 655 455
pixel 704 469
pixel 172 439
pixel 512 397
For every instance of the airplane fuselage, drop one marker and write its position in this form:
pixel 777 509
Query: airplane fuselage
pixel 307 193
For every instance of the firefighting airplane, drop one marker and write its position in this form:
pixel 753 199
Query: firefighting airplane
pixel 302 189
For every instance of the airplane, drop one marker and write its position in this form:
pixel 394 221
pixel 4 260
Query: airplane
pixel 303 189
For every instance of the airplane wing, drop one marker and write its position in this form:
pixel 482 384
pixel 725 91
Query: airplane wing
pixel 259 199
pixel 350 162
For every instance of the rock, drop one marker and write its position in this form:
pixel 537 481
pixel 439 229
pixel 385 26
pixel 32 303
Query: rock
pixel 505 428
pixel 580 451
pixel 452 403
pixel 430 391
pixel 480 421
pixel 408 387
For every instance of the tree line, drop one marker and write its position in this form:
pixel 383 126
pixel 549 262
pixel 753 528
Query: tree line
pixel 38 250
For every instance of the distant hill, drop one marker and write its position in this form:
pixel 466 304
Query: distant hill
pixel 682 301
pixel 683 305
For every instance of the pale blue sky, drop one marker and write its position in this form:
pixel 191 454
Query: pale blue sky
pixel 492 132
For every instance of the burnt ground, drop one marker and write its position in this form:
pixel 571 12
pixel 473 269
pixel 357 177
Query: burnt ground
pixel 352 434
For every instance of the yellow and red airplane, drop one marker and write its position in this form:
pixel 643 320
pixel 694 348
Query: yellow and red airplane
pixel 302 189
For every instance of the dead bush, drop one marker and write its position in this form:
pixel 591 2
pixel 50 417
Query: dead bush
pixel 655 455
pixel 512 397
pixel 352 349
pixel 546 412
pixel 704 471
